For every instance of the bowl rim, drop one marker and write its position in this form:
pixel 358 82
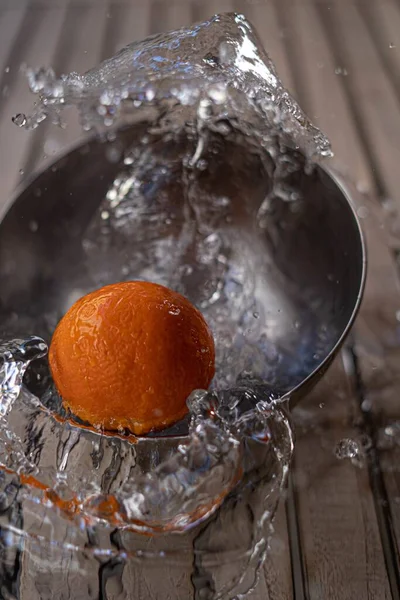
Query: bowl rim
pixel 348 192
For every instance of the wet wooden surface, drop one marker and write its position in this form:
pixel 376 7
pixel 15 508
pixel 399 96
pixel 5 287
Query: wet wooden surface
pixel 338 535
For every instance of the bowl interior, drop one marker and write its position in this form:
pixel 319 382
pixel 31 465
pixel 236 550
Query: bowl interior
pixel 279 280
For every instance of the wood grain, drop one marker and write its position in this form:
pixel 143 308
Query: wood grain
pixel 340 539
pixel 377 343
pixel 128 24
pixel 325 99
pixel 347 79
pixel 37 25
pixel 372 96
pixel 10 23
pixel 73 52
pixel 328 104
pixel 376 322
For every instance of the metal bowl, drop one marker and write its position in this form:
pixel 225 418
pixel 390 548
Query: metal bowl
pixel 312 250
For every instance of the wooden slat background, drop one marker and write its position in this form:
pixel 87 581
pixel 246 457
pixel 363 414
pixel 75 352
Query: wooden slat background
pixel 338 536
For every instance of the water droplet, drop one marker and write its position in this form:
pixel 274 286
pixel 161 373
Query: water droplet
pixel 21 171
pixel 217 93
pixel 321 404
pixel 202 164
pixel 7 70
pixel 150 94
pixel 256 315
pixel 105 215
pixel 341 71
pixel 363 212
pixel 174 310
pixel 186 270
pixel 33 226
pixel 392 45
pixel 393 430
pixel 347 448
pixel 222 201
pixel 19 120
pixel 366 405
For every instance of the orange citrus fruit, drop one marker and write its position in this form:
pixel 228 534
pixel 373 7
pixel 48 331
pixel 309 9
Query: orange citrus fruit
pixel 128 355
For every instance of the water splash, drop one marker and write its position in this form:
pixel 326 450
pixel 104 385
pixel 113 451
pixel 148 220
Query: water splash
pixel 15 358
pixel 174 110
pixel 95 482
pixel 354 449
pixel 347 448
pixel 204 71
pixel 173 482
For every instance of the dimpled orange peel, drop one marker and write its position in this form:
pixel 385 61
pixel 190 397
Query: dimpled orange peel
pixel 128 355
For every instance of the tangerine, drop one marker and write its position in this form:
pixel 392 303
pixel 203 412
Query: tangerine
pixel 128 355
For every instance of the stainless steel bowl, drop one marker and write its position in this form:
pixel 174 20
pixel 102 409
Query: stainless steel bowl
pixel 313 253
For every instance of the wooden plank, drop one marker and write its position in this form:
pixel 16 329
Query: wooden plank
pixel 378 354
pixel 179 15
pixel 264 18
pixel 38 25
pixel 276 33
pixel 33 4
pixel 166 16
pixel 204 9
pixel 377 345
pixel 382 300
pixel 74 52
pixel 381 287
pixel 382 21
pixel 10 23
pixel 316 519
pixel 372 95
pixel 325 100
pixel 340 538
pixel 130 23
